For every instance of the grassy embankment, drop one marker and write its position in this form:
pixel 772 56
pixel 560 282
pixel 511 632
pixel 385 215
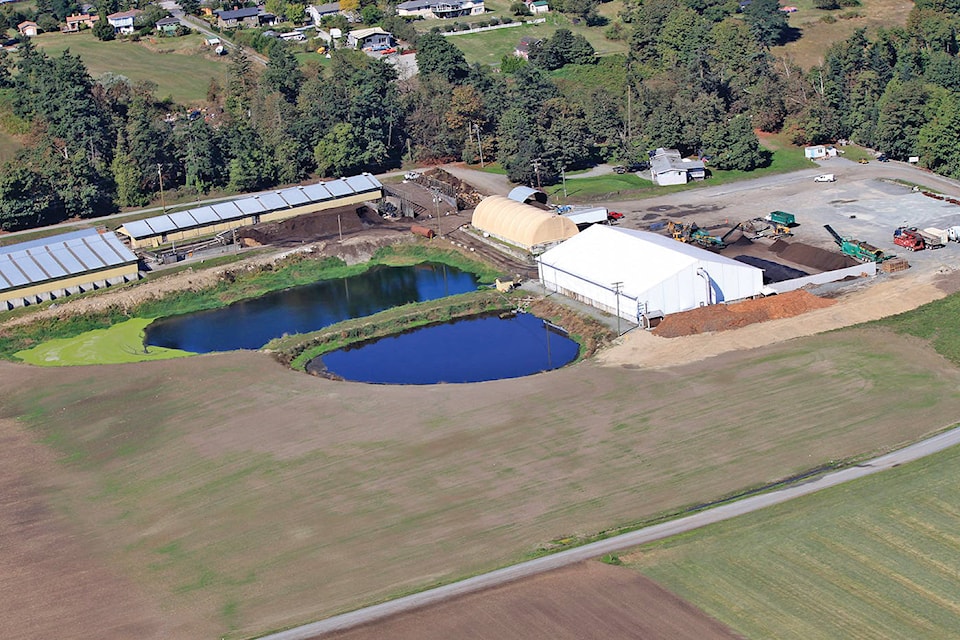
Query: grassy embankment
pixel 180 67
pixel 106 336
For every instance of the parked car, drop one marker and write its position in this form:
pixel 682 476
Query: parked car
pixel 614 215
pixel 621 169
pixel 882 158
pixel 825 177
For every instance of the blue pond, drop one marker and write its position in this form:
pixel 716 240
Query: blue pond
pixel 253 323
pixel 470 350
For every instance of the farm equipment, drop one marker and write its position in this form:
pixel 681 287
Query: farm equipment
pixel 909 238
pixel 857 249
pixel 678 231
pixel 704 238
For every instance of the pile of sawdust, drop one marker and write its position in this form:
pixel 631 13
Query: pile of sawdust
pixel 721 317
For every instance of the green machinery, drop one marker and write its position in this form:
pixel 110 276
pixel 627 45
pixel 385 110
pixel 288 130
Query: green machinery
pixel 857 249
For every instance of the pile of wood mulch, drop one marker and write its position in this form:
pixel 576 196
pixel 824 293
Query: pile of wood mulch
pixel 721 317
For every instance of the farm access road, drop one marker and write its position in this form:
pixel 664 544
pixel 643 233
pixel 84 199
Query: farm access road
pixel 622 542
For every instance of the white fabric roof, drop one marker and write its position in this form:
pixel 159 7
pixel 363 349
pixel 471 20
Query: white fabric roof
pixel 640 259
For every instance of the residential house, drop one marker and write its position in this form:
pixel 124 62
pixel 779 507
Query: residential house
pixel 233 18
pixel 27 28
pixel 318 12
pixel 79 21
pixel 372 39
pixel 168 26
pixel 437 9
pixel 538 6
pixel 668 167
pixel 123 21
pixel 522 50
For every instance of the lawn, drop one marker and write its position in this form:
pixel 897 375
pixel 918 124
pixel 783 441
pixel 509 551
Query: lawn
pixel 181 67
pixel 246 497
pixel 489 47
pixel 873 559
pixel 614 187
pixel 9 146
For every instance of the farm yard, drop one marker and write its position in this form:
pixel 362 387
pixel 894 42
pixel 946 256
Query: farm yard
pixel 872 559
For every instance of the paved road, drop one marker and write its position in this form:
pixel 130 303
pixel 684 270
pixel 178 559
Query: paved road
pixel 621 542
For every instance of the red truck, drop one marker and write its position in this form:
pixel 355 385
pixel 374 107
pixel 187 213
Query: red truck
pixel 909 238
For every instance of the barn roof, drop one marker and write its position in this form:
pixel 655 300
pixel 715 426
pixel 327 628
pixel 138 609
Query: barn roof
pixel 521 224
pixel 250 205
pixel 67 254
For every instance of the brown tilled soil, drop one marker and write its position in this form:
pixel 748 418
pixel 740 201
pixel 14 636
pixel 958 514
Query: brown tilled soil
pixel 722 317
pixel 587 600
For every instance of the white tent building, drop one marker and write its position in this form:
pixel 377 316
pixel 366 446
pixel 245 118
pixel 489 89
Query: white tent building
pixel 655 275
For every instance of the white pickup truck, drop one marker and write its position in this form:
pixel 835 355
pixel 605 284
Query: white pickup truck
pixel 825 177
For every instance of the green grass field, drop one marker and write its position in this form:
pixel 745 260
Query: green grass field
pixel 489 47
pixel 873 559
pixel 120 343
pixel 8 146
pixel 180 67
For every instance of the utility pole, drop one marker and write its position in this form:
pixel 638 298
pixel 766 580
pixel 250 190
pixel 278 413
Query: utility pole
pixel 160 174
pixel 563 177
pixel 479 146
pixel 617 286
pixel 536 167
pixel 436 202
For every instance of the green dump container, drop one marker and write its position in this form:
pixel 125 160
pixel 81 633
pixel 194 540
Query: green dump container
pixel 782 217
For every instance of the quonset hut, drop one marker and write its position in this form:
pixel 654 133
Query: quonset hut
pixel 520 224
pixel 656 276
pixel 270 206
pixel 48 268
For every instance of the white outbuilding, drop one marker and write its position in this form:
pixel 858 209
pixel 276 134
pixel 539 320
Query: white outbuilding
pixel 643 275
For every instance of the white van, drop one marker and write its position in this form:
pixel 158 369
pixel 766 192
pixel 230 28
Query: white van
pixel 825 177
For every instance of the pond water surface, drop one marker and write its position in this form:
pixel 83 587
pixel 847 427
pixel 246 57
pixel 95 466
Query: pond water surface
pixel 251 324
pixel 470 350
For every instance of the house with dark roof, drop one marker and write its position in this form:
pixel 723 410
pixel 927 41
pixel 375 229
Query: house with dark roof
pixel 373 39
pixel 318 12
pixel 231 19
pixel 168 26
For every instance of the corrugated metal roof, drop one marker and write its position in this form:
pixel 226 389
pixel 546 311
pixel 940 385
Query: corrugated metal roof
pixel 294 197
pixel 67 254
pixel 251 205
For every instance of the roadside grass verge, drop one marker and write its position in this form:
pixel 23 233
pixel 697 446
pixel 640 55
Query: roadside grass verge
pixel 876 556
pixel 178 66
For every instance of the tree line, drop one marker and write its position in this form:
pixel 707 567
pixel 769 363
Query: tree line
pixel 699 76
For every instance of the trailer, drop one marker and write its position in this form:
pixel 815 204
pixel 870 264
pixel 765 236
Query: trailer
pixel 588 216
pixel 950 234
